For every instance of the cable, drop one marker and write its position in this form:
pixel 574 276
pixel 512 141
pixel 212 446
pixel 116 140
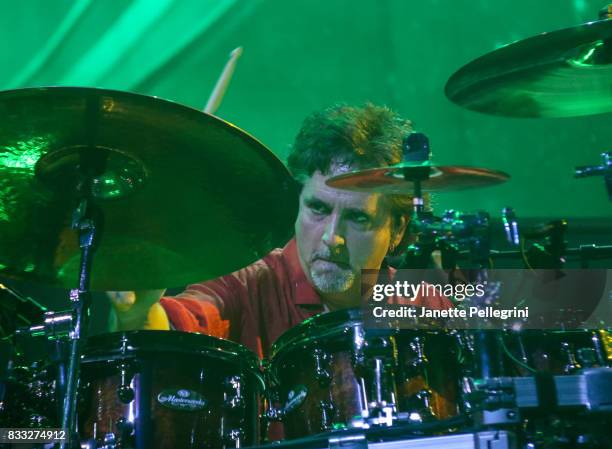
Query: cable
pixel 514 359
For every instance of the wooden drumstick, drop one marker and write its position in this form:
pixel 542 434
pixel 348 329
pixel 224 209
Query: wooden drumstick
pixel 219 91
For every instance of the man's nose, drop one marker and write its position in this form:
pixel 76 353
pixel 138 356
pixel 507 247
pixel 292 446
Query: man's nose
pixel 333 235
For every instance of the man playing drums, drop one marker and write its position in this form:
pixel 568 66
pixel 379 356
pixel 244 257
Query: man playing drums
pixel 337 234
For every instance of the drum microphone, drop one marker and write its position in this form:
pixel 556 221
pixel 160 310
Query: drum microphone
pixel 416 148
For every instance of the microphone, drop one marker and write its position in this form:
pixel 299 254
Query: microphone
pixel 416 148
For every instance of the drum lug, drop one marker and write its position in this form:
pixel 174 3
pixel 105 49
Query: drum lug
pixel 322 373
pixel 572 364
pixel 420 359
pixel 234 437
pixel 110 441
pixel 328 411
pixel 273 414
pixel 424 396
pixel 233 396
pixel 125 392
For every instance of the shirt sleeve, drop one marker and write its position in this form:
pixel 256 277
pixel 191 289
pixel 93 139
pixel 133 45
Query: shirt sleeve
pixel 211 307
pixel 190 314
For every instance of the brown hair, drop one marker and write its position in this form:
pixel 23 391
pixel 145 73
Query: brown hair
pixel 361 137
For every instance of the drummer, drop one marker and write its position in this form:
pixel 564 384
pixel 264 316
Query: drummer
pixel 337 234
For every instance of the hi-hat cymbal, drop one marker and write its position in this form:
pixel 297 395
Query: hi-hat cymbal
pixel 391 179
pixel 185 196
pixel 559 74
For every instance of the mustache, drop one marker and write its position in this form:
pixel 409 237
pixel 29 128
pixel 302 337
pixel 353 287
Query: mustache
pixel 329 256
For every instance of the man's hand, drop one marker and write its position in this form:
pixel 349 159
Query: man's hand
pixel 137 310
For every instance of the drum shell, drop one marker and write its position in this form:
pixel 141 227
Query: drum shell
pixel 439 375
pixel 349 354
pixel 162 365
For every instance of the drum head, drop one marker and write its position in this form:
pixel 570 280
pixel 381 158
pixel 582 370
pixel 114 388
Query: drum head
pixel 316 329
pixel 132 343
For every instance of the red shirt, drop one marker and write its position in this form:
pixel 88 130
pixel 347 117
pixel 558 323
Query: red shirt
pixel 255 305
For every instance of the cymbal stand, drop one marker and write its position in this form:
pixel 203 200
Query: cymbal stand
pixel 87 220
pixel 604 169
pixel 415 149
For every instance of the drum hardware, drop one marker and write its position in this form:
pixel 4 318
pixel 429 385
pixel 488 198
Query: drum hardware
pixel 108 442
pixel 328 413
pixel 420 360
pixel 349 441
pixel 444 234
pixel 572 364
pixel 322 373
pixel 511 228
pixel 234 398
pixel 605 170
pixel 113 440
pixel 17 310
pixel 125 392
pixel 56 325
pixel 86 219
pixel 404 436
pixel 454 230
pixel 382 416
pixel 551 254
pixel 233 437
pixel 590 390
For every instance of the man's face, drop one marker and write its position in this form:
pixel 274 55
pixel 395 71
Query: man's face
pixel 339 233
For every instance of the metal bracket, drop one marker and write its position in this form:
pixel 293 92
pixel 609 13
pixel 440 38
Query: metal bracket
pixel 349 442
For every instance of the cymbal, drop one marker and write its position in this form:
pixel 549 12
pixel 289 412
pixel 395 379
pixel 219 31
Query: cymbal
pixel 391 180
pixel 564 73
pixel 185 196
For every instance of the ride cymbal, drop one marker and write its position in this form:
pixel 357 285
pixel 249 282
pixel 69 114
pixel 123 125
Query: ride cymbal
pixel 563 73
pixel 184 195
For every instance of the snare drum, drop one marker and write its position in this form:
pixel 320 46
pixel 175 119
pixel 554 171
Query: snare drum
pixel 330 373
pixel 162 390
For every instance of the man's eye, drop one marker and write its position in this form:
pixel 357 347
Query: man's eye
pixel 318 208
pixel 360 218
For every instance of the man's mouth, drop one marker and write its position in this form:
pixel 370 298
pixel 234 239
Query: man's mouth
pixel 326 260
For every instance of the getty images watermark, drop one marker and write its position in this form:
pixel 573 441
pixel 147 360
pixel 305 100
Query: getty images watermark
pixel 425 293
pixel 505 299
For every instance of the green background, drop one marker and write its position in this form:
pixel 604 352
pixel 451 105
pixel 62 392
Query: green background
pixel 302 55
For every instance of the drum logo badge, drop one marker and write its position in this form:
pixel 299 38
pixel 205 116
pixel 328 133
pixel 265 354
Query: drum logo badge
pixel 295 398
pixel 181 399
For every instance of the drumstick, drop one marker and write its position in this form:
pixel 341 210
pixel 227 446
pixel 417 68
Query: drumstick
pixel 217 94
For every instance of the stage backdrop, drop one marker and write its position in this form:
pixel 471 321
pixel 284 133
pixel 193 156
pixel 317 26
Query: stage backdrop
pixel 301 55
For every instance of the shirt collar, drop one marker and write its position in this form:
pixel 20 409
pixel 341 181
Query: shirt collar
pixel 304 292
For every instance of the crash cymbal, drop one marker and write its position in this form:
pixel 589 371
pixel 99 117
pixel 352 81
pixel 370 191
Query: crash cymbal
pixel 559 74
pixel 185 196
pixel 391 180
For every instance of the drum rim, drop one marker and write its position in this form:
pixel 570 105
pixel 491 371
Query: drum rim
pixel 328 324
pixel 317 327
pixel 177 341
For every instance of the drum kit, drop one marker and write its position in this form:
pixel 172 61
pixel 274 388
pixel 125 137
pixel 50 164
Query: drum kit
pixel 107 190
